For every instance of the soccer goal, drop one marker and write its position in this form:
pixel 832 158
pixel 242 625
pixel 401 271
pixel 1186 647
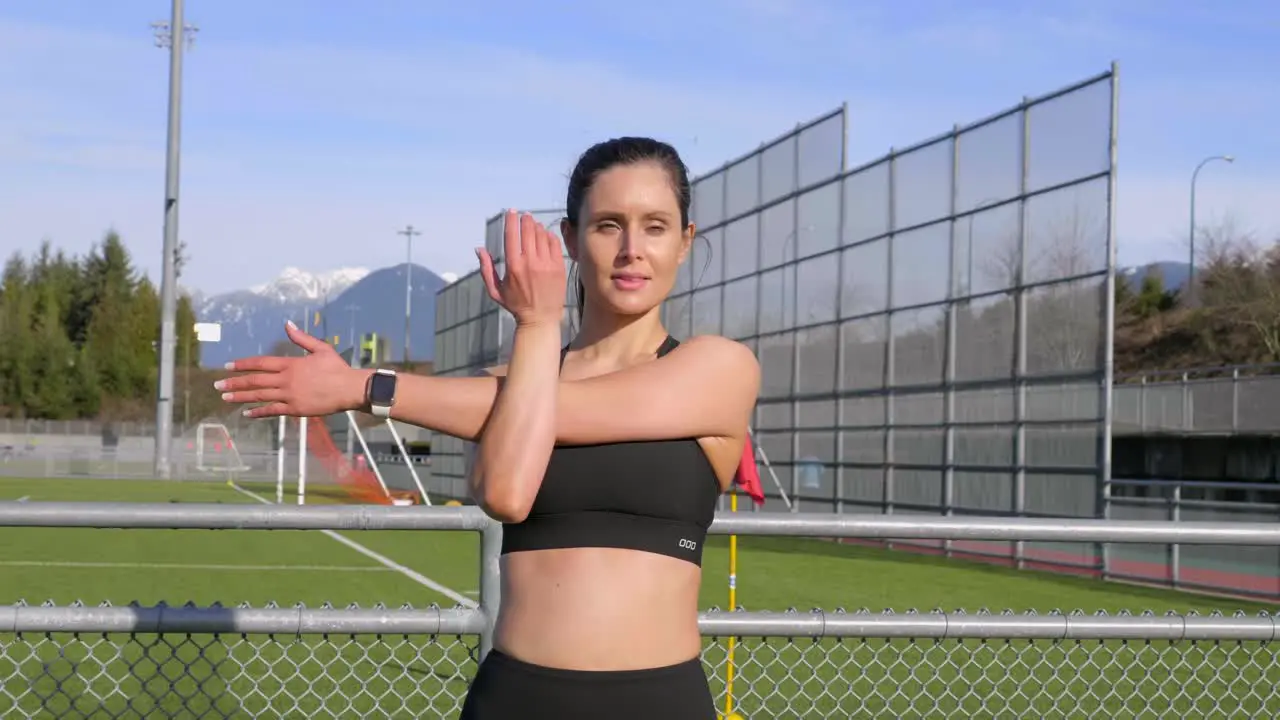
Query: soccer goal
pixel 216 450
pixel 357 478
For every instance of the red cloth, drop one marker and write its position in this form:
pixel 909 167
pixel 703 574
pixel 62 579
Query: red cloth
pixel 748 477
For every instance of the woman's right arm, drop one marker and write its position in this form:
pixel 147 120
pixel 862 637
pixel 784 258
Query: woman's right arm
pixel 516 440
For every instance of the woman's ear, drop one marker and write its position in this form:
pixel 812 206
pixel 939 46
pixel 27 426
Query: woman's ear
pixel 686 241
pixel 570 236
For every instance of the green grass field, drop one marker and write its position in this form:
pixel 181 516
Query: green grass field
pixel 776 678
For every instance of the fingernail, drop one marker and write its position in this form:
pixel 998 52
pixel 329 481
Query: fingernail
pixel 246 413
pixel 220 385
pixel 226 397
pixel 478 252
pixel 229 366
pixel 291 325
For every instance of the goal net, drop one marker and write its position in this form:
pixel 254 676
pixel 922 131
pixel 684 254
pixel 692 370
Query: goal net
pixel 353 475
pixel 216 450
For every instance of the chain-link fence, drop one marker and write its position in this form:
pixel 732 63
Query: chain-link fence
pixel 293 662
pixel 241 676
pixel 855 665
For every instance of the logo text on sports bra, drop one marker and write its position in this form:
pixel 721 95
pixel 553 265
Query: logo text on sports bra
pixel 688 544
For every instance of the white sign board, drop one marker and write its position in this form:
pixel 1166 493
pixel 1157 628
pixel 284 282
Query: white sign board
pixel 209 332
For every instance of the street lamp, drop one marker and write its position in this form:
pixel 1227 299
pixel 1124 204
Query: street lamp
pixel 171 35
pixel 1191 277
pixel 409 234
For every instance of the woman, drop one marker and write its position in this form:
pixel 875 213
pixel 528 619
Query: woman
pixel 603 459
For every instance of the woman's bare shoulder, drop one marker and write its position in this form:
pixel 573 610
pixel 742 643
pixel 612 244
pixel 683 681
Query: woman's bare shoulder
pixel 718 351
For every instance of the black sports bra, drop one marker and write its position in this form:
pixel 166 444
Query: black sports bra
pixel 656 496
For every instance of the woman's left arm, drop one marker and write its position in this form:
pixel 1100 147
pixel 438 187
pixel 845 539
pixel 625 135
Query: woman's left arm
pixel 706 387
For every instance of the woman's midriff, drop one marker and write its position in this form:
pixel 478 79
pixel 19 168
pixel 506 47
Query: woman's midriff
pixel 598 609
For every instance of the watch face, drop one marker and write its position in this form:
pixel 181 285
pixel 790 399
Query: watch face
pixel 382 389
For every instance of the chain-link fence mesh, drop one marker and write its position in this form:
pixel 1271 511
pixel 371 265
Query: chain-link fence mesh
pixel 232 675
pixel 998 678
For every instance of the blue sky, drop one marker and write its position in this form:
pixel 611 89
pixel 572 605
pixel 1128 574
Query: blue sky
pixel 314 130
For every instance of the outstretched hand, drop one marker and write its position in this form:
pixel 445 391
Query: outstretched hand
pixel 533 287
pixel 320 383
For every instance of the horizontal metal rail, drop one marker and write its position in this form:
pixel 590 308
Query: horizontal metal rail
pixel 713 623
pixel 240 620
pixel 217 516
pixel 213 516
pixel 915 527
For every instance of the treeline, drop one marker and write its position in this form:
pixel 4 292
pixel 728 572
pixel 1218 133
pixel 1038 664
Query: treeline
pixel 79 336
pixel 1231 316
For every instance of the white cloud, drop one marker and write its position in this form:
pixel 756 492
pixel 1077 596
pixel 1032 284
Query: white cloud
pixel 328 198
pixel 313 155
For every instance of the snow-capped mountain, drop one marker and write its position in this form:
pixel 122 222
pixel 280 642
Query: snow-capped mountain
pixel 295 285
pixel 288 295
pixel 253 320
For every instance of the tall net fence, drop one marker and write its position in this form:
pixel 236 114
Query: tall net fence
pixel 933 327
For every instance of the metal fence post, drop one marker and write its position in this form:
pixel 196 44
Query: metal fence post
pixel 490 582
pixel 1235 400
pixel 1020 293
pixel 1188 422
pixel 1175 550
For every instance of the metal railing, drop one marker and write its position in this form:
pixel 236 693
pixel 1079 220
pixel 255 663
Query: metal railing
pixel 1228 399
pixel 81 661
pixel 1241 569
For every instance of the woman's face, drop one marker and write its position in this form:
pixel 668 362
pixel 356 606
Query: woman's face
pixel 629 242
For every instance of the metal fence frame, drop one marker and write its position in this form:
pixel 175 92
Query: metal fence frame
pixel 183 623
pixel 209 516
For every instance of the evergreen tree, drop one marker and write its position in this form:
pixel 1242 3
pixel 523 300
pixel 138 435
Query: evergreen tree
pixel 188 346
pixel 17 382
pixel 118 340
pixel 53 353
pixel 81 335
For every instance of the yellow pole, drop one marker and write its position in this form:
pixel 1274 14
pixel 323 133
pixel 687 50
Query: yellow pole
pixel 733 604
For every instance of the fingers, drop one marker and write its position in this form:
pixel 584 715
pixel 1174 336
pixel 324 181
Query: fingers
pixel 488 275
pixel 257 381
pixel 550 242
pixel 272 410
pixel 243 397
pixel 511 236
pixel 529 240
pixel 262 363
pixel 303 340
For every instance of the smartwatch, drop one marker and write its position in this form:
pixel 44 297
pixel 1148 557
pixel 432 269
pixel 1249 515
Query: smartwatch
pixel 380 392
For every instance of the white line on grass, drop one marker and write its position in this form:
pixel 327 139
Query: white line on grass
pixel 185 566
pixel 24 498
pixel 383 559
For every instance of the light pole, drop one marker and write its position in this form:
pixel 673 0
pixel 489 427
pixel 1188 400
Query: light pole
pixel 355 358
pixel 355 363
pixel 1191 238
pixel 170 35
pixel 408 234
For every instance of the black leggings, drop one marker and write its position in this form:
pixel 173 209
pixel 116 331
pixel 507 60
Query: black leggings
pixel 506 688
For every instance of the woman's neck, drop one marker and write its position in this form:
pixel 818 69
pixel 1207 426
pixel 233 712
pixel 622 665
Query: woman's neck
pixel 617 340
